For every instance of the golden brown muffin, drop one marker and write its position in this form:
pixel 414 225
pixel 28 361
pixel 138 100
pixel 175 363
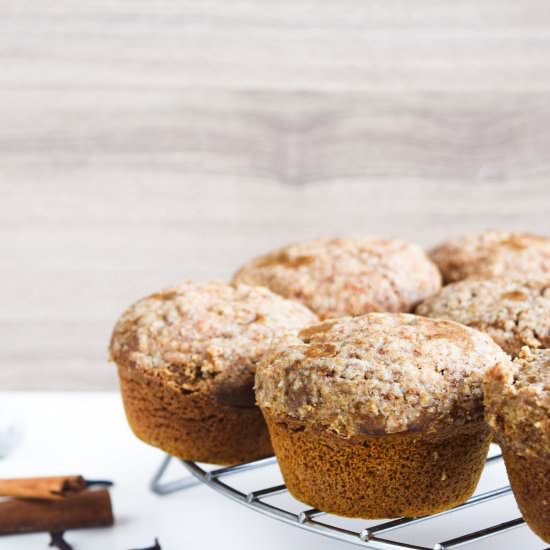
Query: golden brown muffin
pixel 493 254
pixel 515 313
pixel 346 276
pixel 517 399
pixel 186 359
pixel 379 415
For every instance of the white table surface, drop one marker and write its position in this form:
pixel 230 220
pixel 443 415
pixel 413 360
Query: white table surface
pixel 86 433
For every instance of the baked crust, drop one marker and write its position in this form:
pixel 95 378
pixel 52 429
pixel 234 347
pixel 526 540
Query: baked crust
pixel 379 373
pixel 406 474
pixel 493 253
pixel 517 402
pixel 530 481
pixel 186 359
pixel 193 426
pixel 205 336
pixel 346 276
pixel 515 313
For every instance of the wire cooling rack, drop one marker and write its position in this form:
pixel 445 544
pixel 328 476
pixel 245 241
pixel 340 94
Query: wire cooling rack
pixel 369 535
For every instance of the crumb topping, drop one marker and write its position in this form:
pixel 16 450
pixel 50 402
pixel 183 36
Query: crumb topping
pixel 346 276
pixel 517 399
pixel 492 254
pixel 515 313
pixel 196 332
pixel 378 373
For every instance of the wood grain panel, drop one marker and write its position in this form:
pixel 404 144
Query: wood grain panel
pixel 106 197
pixel 290 137
pixel 145 142
pixel 300 45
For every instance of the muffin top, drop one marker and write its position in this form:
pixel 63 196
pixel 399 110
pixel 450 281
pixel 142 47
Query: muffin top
pixel 346 276
pixel 514 313
pixel 517 400
pixel 194 333
pixel 377 374
pixel 492 254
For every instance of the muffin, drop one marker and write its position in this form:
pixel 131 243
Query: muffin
pixel 515 313
pixel 346 276
pixel 186 358
pixel 378 416
pixel 493 254
pixel 517 400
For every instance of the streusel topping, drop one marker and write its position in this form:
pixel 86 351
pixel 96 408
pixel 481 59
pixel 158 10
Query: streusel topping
pixel 493 254
pixel 378 373
pixel 346 276
pixel 514 313
pixel 195 332
pixel 517 399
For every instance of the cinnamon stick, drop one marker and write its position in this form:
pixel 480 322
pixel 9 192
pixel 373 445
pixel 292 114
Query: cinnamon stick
pixel 86 509
pixel 42 487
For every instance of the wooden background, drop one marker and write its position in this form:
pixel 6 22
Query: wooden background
pixel 147 141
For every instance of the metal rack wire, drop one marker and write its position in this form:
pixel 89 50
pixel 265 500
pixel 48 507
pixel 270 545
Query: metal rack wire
pixel 372 536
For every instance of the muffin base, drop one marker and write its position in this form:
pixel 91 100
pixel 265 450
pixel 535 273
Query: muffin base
pixel 530 481
pixel 192 426
pixel 373 477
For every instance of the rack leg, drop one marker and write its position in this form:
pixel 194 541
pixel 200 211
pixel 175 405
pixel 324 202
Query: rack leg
pixel 161 488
